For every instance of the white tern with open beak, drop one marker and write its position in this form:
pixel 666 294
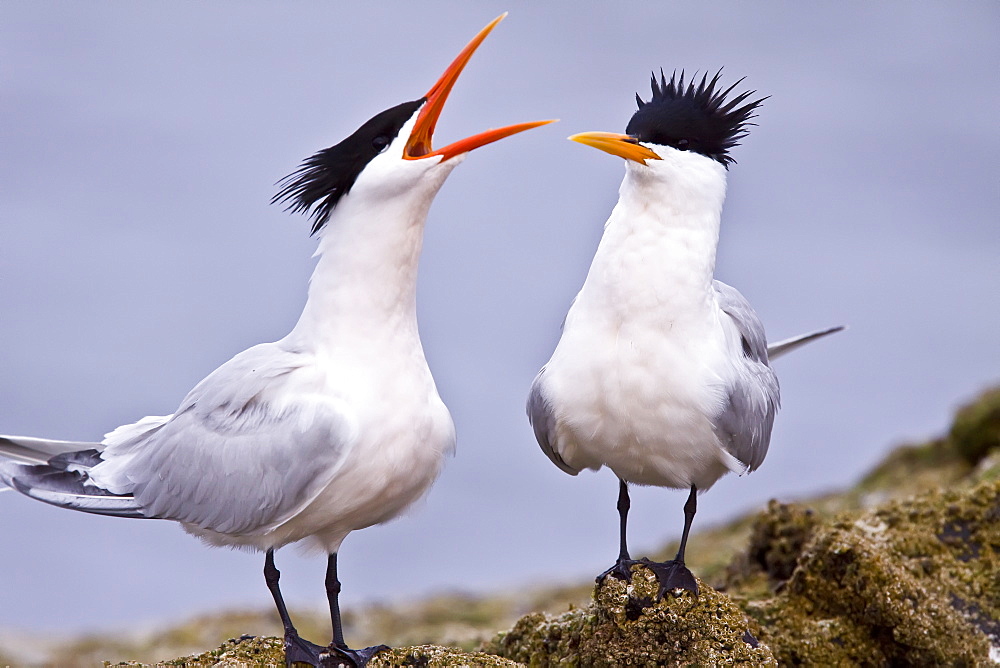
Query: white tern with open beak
pixel 336 427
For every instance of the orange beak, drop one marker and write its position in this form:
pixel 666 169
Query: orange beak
pixel 624 146
pixel 419 144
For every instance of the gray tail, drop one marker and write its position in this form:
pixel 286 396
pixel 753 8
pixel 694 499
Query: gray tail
pixel 778 349
pixel 57 472
pixel 32 450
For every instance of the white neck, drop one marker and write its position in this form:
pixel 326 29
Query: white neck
pixel 658 249
pixel 362 294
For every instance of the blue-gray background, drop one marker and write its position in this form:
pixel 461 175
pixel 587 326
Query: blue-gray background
pixel 139 145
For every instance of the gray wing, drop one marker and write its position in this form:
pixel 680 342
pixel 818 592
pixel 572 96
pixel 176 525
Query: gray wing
pixel 543 421
pixel 778 349
pixel 753 399
pixel 234 458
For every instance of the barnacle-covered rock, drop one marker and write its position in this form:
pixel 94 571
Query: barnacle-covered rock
pixel 627 625
pixel 914 582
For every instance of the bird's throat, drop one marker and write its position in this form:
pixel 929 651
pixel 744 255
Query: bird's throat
pixel 363 290
pixel 648 264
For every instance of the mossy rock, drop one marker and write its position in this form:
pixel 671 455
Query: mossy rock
pixel 253 651
pixel 235 653
pixel 626 625
pixel 432 656
pixel 976 429
pixel 915 582
pixel 778 537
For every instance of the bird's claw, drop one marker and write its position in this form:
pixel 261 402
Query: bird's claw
pixel 343 657
pixel 299 650
pixel 671 575
pixel 622 570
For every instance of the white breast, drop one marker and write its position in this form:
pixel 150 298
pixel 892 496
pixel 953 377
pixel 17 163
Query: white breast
pixel 403 434
pixel 639 397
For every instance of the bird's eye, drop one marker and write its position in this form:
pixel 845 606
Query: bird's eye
pixel 380 143
pixel 682 144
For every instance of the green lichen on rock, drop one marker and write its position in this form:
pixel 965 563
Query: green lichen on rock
pixel 235 653
pixel 778 537
pixel 254 651
pixel 626 625
pixel 976 429
pixel 431 656
pixel 915 582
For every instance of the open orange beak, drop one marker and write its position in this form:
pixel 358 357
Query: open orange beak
pixel 419 144
pixel 624 146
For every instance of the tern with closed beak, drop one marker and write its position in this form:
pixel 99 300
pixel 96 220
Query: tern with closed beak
pixel 336 427
pixel 662 373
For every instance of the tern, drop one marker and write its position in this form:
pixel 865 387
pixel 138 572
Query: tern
pixel 336 427
pixel 662 373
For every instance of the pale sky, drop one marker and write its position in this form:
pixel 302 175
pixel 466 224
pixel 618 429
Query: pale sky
pixel 140 144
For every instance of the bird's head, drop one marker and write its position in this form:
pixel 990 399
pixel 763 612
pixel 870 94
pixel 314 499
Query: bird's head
pixel 692 119
pixel 391 153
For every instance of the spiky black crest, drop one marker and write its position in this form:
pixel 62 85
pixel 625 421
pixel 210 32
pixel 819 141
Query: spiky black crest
pixel 317 186
pixel 694 118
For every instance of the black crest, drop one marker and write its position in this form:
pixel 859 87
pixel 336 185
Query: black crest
pixel 317 186
pixel 694 118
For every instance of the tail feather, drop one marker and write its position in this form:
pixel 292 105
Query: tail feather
pixel 39 450
pixel 778 349
pixel 69 489
pixel 57 472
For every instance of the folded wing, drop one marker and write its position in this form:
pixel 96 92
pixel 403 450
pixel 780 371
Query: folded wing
pixel 753 397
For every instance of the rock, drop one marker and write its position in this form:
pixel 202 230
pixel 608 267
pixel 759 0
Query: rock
pixel 432 656
pixel 235 653
pixel 914 582
pixel 976 429
pixel 778 537
pixel 626 625
pixel 252 651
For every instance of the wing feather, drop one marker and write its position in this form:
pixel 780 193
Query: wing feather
pixel 784 346
pixel 753 397
pixel 235 459
pixel 543 421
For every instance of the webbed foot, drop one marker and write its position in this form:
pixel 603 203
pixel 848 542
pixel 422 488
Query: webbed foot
pixel 299 650
pixel 343 657
pixel 671 575
pixel 622 570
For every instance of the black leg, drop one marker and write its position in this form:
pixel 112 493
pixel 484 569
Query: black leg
pixel 623 507
pixel 674 574
pixel 690 508
pixel 297 650
pixel 333 596
pixel 623 567
pixel 338 653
